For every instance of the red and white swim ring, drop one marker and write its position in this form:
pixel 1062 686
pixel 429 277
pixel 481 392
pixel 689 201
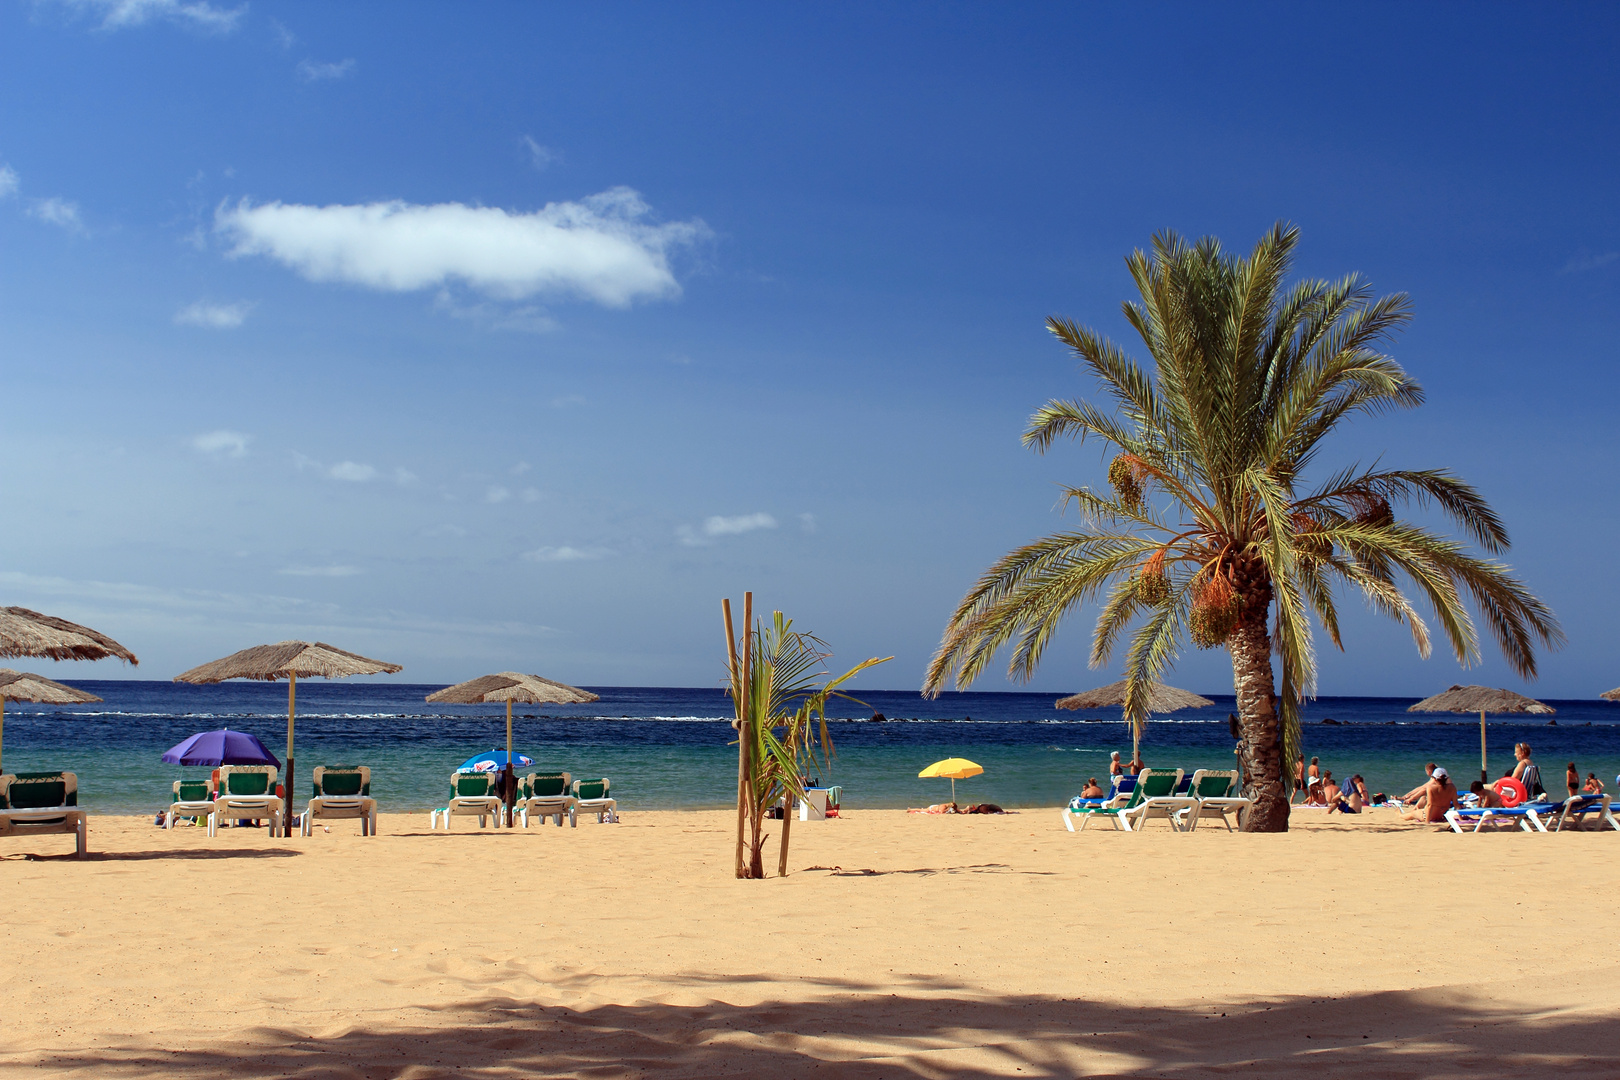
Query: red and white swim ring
pixel 1512 791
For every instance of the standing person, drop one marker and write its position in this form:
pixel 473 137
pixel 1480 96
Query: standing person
pixel 1136 765
pixel 1314 773
pixel 1572 780
pixel 1299 777
pixel 1115 769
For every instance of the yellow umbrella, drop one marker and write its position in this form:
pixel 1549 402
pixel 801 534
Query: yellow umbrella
pixel 955 768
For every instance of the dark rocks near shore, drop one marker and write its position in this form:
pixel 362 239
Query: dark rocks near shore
pixel 879 718
pixel 1333 722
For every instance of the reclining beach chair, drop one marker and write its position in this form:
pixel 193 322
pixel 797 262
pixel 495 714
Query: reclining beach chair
pixel 1578 806
pixel 1158 800
pixel 472 794
pixel 546 795
pixel 43 802
pixel 189 798
pixel 1118 797
pixel 1216 792
pixel 592 796
pixel 1526 816
pixel 246 792
pixel 342 791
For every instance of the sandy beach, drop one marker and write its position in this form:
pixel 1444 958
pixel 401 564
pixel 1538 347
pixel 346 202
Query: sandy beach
pixel 899 946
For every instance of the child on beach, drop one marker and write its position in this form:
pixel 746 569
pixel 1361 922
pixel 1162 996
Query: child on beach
pixel 1487 796
pixel 1593 785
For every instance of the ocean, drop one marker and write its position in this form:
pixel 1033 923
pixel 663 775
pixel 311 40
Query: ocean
pixel 666 748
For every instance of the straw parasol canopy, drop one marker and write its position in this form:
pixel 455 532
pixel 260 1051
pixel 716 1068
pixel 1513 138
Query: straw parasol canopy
pixel 1163 699
pixel 288 660
pixel 1482 699
pixel 28 633
pixel 510 686
pixel 1612 695
pixel 23 686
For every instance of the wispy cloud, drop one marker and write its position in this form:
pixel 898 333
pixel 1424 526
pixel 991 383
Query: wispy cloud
pixel 530 495
pixel 520 468
pixel 1589 262
pixel 222 443
pixel 353 471
pixel 312 71
pixel 59 212
pixel 320 571
pixel 195 14
pixel 497 494
pixel 523 318
pixel 724 526
pixel 565 554
pixel 404 477
pixel 600 248
pixel 284 37
pixel 541 157
pixel 213 316
pixel 9 181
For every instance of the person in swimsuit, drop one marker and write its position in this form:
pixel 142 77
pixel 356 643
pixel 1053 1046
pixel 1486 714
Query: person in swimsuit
pixel 1136 765
pixel 1092 790
pixel 1593 785
pixel 1416 795
pixel 1354 796
pixel 1572 780
pixel 1299 777
pixel 1488 798
pixel 1114 766
pixel 1439 795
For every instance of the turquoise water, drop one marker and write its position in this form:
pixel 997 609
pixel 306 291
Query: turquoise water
pixel 666 748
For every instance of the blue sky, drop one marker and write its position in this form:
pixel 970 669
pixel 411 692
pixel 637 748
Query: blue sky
pixel 493 336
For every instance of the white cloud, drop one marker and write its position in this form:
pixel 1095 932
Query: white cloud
pixel 723 526
pixel 320 571
pixel 284 37
pixel 352 470
pixel 213 316
pixel 731 526
pixel 599 248
pixel 497 494
pixel 59 212
pixel 404 477
pixel 223 443
pixel 1590 262
pixel 315 71
pixel 196 14
pixel 541 157
pixel 565 554
pixel 8 181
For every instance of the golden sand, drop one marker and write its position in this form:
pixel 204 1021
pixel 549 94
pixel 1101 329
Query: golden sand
pixel 900 946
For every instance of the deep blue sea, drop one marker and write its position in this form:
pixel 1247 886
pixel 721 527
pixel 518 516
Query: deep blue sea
pixel 666 747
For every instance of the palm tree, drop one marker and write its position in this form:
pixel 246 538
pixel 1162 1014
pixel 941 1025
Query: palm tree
pixel 1208 520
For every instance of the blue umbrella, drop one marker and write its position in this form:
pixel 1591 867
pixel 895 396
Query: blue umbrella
pixel 493 760
pixel 223 747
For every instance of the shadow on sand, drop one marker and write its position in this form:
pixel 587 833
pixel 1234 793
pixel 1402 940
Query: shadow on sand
pixel 923 1032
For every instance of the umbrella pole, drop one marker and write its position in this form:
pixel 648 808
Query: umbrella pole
pixel 511 788
pixel 1484 772
pixel 2 731
pixel 287 781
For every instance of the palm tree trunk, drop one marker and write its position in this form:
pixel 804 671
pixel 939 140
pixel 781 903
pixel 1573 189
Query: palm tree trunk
pixel 1260 723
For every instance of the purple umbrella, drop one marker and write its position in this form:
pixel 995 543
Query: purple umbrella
pixel 225 747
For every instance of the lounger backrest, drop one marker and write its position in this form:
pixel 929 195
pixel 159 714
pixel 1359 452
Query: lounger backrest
pixel 190 791
pixel 465 785
pixel 35 791
pixel 591 789
pixel 342 780
pixel 1155 784
pixel 1213 783
pixel 247 780
pixel 1123 785
pixel 548 785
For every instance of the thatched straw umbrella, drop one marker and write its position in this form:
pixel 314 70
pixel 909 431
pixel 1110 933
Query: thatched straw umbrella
pixel 23 686
pixel 1482 699
pixel 510 686
pixel 1162 699
pixel 28 633
pixel 1612 695
pixel 288 660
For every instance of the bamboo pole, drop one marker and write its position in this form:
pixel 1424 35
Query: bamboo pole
pixel 736 700
pixel 510 784
pixel 287 781
pixel 787 825
pixel 2 730
pixel 1484 771
pixel 745 741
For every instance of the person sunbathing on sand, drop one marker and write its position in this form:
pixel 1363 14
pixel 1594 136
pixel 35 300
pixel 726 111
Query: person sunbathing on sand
pixel 1092 790
pixel 1439 795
